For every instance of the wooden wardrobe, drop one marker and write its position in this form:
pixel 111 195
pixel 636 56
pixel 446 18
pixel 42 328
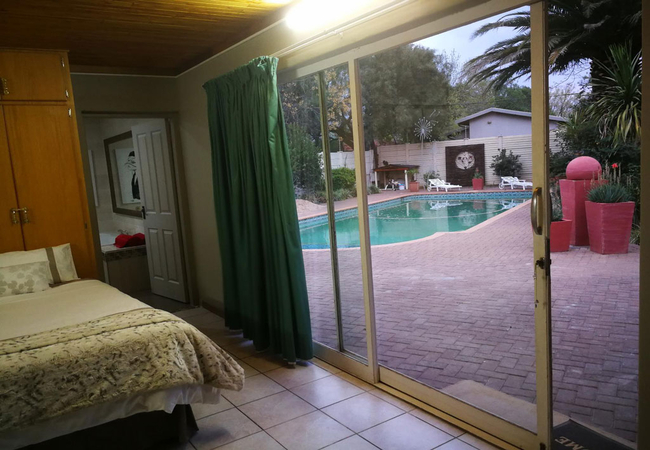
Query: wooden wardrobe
pixel 42 189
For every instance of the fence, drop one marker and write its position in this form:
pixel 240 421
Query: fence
pixel 431 155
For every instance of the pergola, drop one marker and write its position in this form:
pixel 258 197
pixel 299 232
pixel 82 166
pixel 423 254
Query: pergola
pixel 396 168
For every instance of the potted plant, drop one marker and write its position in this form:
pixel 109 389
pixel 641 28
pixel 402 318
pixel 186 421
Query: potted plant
pixel 610 210
pixel 560 227
pixel 478 181
pixel 414 185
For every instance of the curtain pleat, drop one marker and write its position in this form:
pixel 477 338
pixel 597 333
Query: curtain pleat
pixel 265 291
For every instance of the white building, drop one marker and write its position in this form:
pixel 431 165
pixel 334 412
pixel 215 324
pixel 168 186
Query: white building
pixel 494 122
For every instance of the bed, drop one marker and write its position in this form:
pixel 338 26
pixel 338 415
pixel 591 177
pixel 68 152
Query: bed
pixel 84 354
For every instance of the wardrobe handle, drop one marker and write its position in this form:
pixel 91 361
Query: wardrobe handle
pixel 25 216
pixel 14 216
pixel 5 88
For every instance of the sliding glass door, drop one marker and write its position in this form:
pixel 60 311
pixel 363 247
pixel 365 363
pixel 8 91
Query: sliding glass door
pixel 420 279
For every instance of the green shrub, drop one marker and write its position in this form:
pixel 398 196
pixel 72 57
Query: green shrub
pixel 556 203
pixel 429 175
pixel 506 164
pixel 343 178
pixel 344 194
pixel 373 189
pixel 610 193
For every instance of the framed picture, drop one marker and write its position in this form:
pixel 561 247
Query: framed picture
pixel 123 174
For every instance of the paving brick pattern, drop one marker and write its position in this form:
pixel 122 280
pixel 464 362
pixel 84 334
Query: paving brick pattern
pixel 459 306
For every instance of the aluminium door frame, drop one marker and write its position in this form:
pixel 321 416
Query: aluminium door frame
pixel 180 188
pixel 483 423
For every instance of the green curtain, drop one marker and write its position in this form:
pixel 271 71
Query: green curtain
pixel 265 291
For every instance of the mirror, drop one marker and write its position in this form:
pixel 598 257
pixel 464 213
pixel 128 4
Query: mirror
pixel 123 174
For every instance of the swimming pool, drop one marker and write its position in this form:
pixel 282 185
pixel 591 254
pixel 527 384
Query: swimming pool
pixel 408 218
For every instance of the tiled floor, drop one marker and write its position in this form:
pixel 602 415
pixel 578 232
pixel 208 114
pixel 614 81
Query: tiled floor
pixel 309 407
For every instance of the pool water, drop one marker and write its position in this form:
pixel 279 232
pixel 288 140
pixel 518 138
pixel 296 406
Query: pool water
pixel 409 220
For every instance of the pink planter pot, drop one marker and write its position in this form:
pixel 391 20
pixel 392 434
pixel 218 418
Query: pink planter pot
pixel 477 184
pixel 561 235
pixel 609 226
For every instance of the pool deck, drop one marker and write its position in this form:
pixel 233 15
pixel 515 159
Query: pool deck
pixel 459 306
pixel 391 195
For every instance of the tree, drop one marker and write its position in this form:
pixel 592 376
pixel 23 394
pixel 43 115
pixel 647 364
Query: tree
pixel 579 30
pixel 401 85
pixel 513 96
pixel 305 160
pixel 563 99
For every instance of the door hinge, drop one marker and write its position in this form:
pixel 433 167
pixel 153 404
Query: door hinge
pixel 67 94
pixel 62 62
pixel 69 112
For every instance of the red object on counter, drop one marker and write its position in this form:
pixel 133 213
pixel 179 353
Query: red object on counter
pixel 125 240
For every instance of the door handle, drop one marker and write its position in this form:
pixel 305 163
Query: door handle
pixel 25 217
pixel 144 212
pixel 534 211
pixel 14 216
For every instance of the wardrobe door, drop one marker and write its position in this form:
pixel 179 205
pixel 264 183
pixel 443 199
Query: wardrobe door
pixel 11 235
pixel 33 75
pixel 49 181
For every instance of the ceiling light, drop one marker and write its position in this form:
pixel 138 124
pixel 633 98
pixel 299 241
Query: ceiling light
pixel 310 14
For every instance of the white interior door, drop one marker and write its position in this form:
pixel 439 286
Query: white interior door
pixel 160 209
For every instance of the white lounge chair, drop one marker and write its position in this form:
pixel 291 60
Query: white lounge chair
pixel 514 182
pixel 438 184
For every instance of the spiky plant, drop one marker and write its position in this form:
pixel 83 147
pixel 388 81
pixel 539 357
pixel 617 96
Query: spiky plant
pixel 617 108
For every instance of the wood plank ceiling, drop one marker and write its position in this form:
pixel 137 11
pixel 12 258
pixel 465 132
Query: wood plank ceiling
pixel 161 37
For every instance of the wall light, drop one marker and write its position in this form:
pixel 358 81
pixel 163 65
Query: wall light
pixel 310 14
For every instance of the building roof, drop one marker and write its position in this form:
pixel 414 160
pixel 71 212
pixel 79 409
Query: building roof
pixel 391 167
pixel 511 112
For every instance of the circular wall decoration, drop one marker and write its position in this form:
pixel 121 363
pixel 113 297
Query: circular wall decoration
pixel 465 160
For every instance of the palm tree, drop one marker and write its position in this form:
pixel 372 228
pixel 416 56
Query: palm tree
pixel 579 30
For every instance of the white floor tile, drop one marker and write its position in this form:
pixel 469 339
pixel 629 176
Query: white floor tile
pixel 476 442
pixel 222 428
pixel 299 375
pixel 241 349
pixel 401 404
pixel 406 433
pixel 437 422
pixel 456 444
pixel 248 370
pixel 362 412
pixel 276 409
pixel 255 387
pixel 323 365
pixel 326 391
pixel 310 432
pixel 257 441
pixel 202 410
pixel 352 443
pixel 354 380
pixel 264 362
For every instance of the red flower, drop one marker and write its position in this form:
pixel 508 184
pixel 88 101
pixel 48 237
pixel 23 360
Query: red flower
pixel 614 166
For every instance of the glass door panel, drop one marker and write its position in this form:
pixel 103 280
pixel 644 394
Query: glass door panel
pixel 318 116
pixel 301 108
pixel 452 258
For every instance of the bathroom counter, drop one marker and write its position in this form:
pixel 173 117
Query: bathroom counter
pixel 112 253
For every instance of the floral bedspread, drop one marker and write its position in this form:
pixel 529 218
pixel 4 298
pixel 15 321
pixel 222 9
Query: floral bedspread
pixel 55 372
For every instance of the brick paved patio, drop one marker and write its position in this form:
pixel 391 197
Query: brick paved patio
pixel 459 306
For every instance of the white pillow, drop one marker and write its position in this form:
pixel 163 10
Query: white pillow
pixel 60 263
pixel 24 278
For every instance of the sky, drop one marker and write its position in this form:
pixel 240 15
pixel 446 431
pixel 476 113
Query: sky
pixel 460 40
